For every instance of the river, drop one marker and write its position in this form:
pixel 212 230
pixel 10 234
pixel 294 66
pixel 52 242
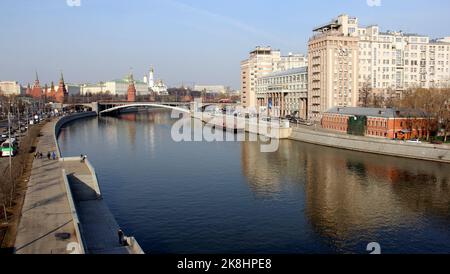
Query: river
pixel 228 197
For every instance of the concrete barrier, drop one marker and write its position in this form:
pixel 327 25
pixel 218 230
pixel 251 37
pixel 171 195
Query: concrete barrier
pixel 94 178
pixel 91 169
pixel 73 211
pixel 134 246
pixel 429 152
pixel 66 119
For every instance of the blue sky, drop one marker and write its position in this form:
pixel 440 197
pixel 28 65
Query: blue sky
pixel 190 41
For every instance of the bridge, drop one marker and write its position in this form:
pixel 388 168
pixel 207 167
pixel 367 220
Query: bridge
pixel 113 107
pixel 105 108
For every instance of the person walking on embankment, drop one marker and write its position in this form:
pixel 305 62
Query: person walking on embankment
pixel 121 236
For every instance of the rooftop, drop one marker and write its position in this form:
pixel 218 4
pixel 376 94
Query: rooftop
pixel 287 72
pixel 377 112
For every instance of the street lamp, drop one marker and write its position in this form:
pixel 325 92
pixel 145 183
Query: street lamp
pixel 10 153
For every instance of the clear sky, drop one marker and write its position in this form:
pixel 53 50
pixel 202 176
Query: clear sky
pixel 190 41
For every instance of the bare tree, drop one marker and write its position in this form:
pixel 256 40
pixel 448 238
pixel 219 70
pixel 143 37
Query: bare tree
pixel 364 94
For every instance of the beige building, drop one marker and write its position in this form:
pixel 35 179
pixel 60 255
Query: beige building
pixel 217 89
pixel 395 61
pixel 115 87
pixel 10 88
pixel 283 93
pixel 292 61
pixel 333 70
pixel 262 61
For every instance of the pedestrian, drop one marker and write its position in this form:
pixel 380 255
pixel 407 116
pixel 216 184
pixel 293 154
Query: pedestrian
pixel 121 235
pixel 54 155
pixel 49 155
pixel 41 155
pixel 81 158
pixel 36 155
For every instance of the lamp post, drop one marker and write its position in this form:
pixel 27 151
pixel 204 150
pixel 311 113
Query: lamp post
pixel 10 155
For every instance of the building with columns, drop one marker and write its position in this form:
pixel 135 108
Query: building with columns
pixel 262 62
pixel 283 93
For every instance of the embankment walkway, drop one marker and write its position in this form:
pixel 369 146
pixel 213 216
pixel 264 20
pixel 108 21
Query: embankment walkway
pixel 46 225
pixel 64 211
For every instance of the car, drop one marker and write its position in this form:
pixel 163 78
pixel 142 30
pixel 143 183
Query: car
pixel 415 141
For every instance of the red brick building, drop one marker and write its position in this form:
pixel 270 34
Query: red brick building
pixel 36 92
pixel 377 122
pixel 131 90
pixel 61 94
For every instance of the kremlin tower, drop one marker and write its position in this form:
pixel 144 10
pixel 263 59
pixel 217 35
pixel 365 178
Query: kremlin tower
pixel 36 92
pixel 52 91
pixel 131 89
pixel 61 94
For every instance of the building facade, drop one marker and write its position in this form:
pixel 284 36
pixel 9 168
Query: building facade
pixel 217 89
pixel 262 61
pixel 283 93
pixel 120 87
pixel 393 61
pixel 86 89
pixel 10 88
pixel 115 87
pixel 377 122
pixel 291 61
pixel 332 71
pixel 156 86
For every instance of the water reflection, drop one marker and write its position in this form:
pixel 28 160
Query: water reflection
pixel 201 197
pixel 353 198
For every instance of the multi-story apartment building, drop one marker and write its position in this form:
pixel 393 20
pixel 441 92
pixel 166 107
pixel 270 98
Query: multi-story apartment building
pixel 292 61
pixel 262 61
pixel 395 61
pixel 333 70
pixel 283 93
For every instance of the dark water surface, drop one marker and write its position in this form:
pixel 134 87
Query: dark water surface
pixel 228 197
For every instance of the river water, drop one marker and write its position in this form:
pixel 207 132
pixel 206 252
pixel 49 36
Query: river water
pixel 228 197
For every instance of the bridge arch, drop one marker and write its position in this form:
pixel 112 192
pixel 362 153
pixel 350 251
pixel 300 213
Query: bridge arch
pixel 133 105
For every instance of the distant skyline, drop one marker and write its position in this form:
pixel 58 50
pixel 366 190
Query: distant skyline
pixel 189 42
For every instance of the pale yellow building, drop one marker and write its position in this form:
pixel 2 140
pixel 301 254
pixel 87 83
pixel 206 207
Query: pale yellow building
pixel 284 93
pixel 394 61
pixel 333 70
pixel 9 88
pixel 262 61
